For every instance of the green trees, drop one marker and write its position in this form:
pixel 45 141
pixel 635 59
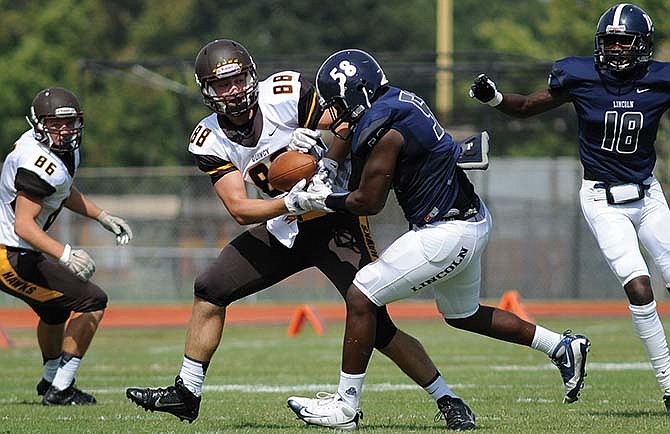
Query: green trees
pixel 142 115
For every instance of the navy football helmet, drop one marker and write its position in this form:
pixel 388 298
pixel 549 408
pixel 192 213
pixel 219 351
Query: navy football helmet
pixel 221 59
pixel 347 83
pixel 57 119
pixel 624 38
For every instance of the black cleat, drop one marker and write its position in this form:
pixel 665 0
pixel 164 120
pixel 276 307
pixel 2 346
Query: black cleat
pixel 43 386
pixel 176 400
pixel 69 396
pixel 456 413
pixel 666 400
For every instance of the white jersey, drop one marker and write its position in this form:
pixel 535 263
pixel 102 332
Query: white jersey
pixel 278 104
pixel 29 155
pixel 280 117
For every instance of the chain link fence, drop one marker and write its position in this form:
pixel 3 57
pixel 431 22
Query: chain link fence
pixel 540 244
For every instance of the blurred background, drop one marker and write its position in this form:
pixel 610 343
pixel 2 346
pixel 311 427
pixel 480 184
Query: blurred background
pixel 131 64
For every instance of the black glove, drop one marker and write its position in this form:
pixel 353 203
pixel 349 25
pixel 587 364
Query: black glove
pixel 484 89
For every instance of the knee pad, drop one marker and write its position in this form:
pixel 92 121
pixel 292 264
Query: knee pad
pixel 386 329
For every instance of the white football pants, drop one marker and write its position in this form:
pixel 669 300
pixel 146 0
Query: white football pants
pixel 443 255
pixel 617 229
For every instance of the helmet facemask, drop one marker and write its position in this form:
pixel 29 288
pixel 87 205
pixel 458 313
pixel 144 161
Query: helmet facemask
pixel 342 113
pixel 61 131
pixel 621 51
pixel 236 104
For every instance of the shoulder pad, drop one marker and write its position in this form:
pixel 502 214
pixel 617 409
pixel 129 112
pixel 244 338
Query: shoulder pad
pixel 36 160
pixel 204 136
pixel 570 70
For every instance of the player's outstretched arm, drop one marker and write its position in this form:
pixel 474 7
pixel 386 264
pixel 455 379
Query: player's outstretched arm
pixel 484 90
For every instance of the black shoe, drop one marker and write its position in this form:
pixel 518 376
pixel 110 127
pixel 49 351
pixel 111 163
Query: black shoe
pixel 176 400
pixel 69 396
pixel 43 386
pixel 666 400
pixel 456 413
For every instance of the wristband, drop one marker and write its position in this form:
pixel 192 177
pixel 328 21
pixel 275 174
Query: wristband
pixel 337 201
pixel 497 99
pixel 66 254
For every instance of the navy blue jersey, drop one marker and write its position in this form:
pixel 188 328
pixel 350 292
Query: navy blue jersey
pixel 618 119
pixel 425 181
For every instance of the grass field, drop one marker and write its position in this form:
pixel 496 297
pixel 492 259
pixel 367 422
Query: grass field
pixel 512 389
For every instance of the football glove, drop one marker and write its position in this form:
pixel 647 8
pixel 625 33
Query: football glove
pixel 485 91
pixel 326 173
pixel 304 139
pixel 298 201
pixel 78 262
pixel 117 226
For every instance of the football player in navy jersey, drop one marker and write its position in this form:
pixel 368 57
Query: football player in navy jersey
pixel 619 99
pixel 405 148
pixel 253 121
pixel 52 278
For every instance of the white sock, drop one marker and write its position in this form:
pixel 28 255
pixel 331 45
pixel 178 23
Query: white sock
pixel 50 368
pixel 650 330
pixel 439 388
pixel 66 371
pixel 350 388
pixel 545 340
pixel 193 374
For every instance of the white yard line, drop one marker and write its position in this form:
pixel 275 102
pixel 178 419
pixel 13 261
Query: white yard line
pixel 386 387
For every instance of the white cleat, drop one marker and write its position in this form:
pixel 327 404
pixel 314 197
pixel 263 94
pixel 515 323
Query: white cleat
pixel 327 409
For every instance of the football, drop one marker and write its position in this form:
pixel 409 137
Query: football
pixel 289 168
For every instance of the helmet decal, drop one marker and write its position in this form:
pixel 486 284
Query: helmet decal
pixel 233 67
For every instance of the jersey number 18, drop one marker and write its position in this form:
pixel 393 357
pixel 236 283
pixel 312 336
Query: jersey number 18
pixel 621 134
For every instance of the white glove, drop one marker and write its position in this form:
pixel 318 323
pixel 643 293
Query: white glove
pixel 298 201
pixel 326 173
pixel 78 262
pixel 116 225
pixel 485 91
pixel 304 139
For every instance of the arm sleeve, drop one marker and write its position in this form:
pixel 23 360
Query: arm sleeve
pixel 309 109
pixel 214 166
pixel 31 184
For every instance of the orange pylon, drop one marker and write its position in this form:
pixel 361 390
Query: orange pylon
pixel 302 313
pixel 511 302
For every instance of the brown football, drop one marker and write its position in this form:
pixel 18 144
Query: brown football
pixel 289 168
